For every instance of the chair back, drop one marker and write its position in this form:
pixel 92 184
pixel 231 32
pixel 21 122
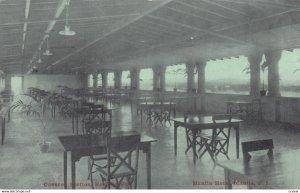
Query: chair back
pixel 87 104
pixel 126 152
pixel 257 145
pixel 221 118
pixel 97 106
pixel 220 130
pixel 98 127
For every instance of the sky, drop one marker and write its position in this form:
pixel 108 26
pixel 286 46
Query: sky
pixel 220 69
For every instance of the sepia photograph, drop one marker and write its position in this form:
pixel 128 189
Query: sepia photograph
pixel 149 94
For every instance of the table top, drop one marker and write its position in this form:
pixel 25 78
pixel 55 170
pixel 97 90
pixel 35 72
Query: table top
pixel 157 103
pixel 202 120
pixel 281 171
pixel 73 142
pixel 239 102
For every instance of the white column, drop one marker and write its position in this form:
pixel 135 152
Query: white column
pixel 272 59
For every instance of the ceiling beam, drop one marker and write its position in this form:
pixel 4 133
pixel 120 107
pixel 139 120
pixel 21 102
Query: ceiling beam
pixel 197 29
pixel 202 9
pixel 83 19
pixel 58 12
pixel 224 7
pixel 166 26
pixel 258 19
pixel 9 56
pixel 27 10
pixel 109 33
pixel 192 15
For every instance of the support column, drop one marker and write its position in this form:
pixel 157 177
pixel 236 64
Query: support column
pixel 190 67
pixel 95 80
pixel 156 72
pixel 83 77
pixel 255 59
pixel 201 77
pixel 135 79
pixel 118 79
pixel 23 82
pixel 272 59
pixel 162 79
pixel 104 80
pixel 8 82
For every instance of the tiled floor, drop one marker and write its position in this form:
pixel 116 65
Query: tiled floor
pixel 23 166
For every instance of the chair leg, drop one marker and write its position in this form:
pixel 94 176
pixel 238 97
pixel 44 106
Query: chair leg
pixel 92 180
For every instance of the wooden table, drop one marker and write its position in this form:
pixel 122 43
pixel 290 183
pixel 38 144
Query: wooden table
pixel 81 146
pixel 202 123
pixel 2 129
pixel 279 172
pixel 5 110
pixel 150 105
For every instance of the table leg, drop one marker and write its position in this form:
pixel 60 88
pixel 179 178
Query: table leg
pixel 174 112
pixel 8 116
pixel 194 146
pixel 73 129
pixel 73 171
pixel 228 111
pixel 65 169
pixel 228 184
pixel 141 116
pixel 148 161
pixel 247 112
pixel 237 137
pixel 175 138
pixel 3 131
pixel 54 111
pixel 76 123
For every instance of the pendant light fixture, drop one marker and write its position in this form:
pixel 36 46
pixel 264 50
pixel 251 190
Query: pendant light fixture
pixel 39 60
pixel 67 31
pixel 47 51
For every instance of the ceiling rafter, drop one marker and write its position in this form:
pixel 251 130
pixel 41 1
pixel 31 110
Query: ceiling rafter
pixel 141 34
pixel 259 19
pixel 86 19
pixel 149 29
pixel 10 45
pixel 202 9
pixel 197 29
pixel 109 33
pixel 165 26
pixel 257 3
pixel 192 15
pixel 224 7
pixel 27 10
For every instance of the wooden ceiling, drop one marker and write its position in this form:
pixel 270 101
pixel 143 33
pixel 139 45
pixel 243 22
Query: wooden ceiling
pixel 121 33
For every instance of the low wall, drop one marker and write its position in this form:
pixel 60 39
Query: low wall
pixel 280 109
pixel 50 82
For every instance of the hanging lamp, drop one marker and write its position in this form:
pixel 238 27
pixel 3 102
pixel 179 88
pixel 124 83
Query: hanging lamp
pixel 39 60
pixel 67 31
pixel 47 51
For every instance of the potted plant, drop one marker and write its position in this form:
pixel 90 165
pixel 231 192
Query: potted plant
pixel 263 66
pixel 28 105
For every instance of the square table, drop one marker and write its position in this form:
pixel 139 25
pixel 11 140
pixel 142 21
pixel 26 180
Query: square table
pixel 202 123
pixel 280 171
pixel 81 146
